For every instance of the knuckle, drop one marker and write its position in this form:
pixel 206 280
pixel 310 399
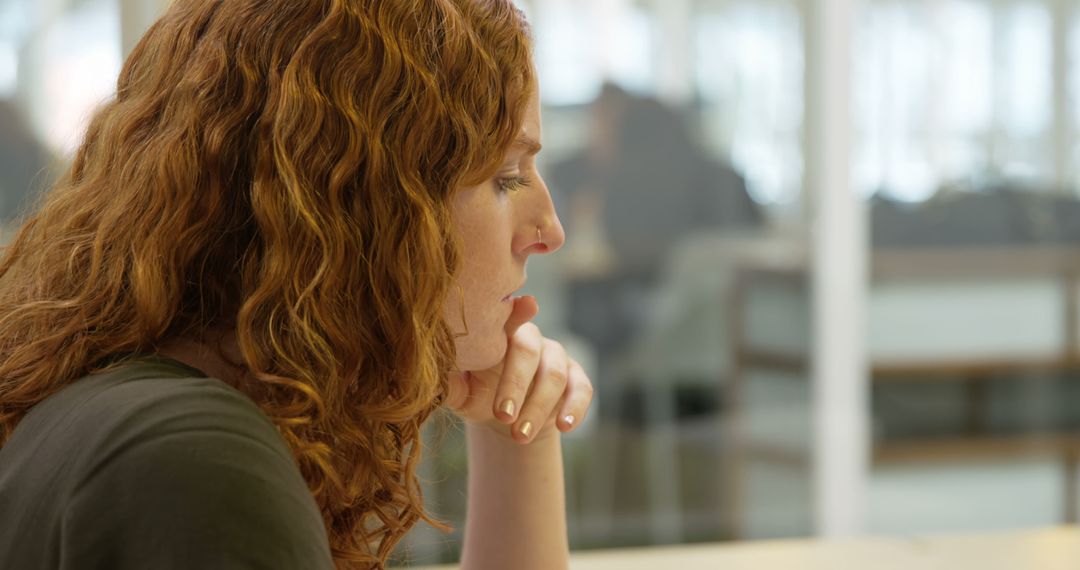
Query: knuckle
pixel 519 382
pixel 558 376
pixel 556 347
pixel 581 380
pixel 587 390
pixel 526 346
pixel 529 328
pixel 555 354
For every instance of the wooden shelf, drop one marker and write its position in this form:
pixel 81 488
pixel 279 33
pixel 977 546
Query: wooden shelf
pixel 970 369
pixel 773 453
pixel 951 449
pixel 976 448
pixel 923 371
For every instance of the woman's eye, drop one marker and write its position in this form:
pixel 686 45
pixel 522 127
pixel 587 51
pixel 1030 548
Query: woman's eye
pixel 513 183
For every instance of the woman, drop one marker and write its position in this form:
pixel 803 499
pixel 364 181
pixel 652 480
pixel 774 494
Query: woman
pixel 292 237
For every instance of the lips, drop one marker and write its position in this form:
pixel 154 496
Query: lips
pixel 510 296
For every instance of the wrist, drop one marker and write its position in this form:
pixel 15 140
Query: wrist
pixel 498 433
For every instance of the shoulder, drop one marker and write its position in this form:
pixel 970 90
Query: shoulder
pixel 149 400
pixel 140 401
pixel 160 464
pixel 209 497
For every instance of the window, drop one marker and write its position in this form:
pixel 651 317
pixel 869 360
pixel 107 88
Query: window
pixel 952 92
pixel 750 76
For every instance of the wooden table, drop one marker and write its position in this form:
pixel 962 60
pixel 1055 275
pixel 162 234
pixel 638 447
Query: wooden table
pixel 1049 549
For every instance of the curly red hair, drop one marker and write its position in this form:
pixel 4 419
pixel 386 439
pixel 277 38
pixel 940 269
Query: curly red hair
pixel 282 169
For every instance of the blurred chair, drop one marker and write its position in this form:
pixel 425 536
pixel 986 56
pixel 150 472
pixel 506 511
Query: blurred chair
pixel 679 365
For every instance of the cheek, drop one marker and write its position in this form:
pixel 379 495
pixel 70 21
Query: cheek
pixel 484 225
pixel 485 343
pixel 484 313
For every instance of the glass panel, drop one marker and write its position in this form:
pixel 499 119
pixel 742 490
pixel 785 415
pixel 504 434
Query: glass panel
pixel 582 43
pixel 910 141
pixel 953 94
pixel 749 72
pixel 1026 67
pixel 972 312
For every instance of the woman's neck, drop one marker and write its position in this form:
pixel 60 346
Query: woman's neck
pixel 218 355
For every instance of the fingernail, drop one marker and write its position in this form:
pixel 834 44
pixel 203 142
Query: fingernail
pixel 569 420
pixel 526 428
pixel 508 408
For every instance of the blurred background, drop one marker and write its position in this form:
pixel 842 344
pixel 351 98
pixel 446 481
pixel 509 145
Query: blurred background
pixel 723 243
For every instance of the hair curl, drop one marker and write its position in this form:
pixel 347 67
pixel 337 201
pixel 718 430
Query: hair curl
pixel 281 169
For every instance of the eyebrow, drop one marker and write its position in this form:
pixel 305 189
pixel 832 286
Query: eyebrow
pixel 531 145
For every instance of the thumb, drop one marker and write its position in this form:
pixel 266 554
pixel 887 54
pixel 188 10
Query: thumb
pixel 525 308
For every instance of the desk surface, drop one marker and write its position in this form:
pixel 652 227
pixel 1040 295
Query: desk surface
pixel 1050 549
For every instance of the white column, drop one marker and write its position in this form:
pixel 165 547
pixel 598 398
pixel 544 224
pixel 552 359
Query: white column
pixel 839 282
pixel 136 16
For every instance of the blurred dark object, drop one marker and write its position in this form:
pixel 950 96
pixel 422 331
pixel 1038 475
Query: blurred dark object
pixel 1000 215
pixel 642 185
pixel 24 164
pixel 691 400
pixel 651 182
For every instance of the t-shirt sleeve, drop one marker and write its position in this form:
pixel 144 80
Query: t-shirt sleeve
pixel 199 499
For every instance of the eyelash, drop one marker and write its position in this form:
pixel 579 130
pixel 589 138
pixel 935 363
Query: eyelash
pixel 513 184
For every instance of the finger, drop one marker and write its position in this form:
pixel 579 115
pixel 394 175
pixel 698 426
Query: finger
pixel 548 387
pixel 519 368
pixel 520 361
pixel 525 308
pixel 577 399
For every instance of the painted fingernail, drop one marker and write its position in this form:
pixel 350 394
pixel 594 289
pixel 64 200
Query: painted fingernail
pixel 508 408
pixel 568 420
pixel 526 428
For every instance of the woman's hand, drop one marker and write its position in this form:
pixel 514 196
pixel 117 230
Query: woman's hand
pixel 535 390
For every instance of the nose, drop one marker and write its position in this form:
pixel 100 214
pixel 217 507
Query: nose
pixel 544 231
pixel 550 235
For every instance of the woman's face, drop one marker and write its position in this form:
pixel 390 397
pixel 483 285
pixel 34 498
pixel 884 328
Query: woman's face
pixel 497 222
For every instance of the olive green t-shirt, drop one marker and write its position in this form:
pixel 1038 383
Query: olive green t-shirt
pixel 154 466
